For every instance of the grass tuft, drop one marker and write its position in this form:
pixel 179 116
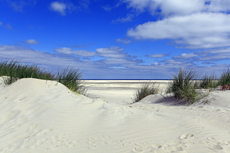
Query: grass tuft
pixel 71 78
pixel 16 71
pixel 184 86
pixel 144 91
pixel 225 78
pixel 209 82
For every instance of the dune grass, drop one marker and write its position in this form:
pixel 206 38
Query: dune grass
pixel 209 82
pixel 16 71
pixel 71 78
pixel 225 78
pixel 144 91
pixel 184 86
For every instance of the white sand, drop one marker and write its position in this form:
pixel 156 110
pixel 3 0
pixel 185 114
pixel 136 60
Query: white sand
pixel 44 116
pixel 119 91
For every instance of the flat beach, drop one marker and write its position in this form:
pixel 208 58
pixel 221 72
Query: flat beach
pixel 42 116
pixel 119 91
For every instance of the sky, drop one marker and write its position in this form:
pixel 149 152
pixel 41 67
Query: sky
pixel 117 39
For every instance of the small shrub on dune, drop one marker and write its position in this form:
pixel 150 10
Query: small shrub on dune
pixel 144 91
pixel 184 86
pixel 224 80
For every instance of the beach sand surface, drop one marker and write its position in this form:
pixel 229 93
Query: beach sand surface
pixel 46 117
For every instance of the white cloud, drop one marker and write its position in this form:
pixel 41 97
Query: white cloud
pixel 177 64
pixel 124 41
pixel 214 51
pixel 50 61
pixel 116 56
pixel 58 7
pixel 32 42
pixel 109 50
pixel 202 30
pixel 178 7
pixel 1 23
pixel 216 57
pixel 157 55
pixel 98 69
pixel 137 4
pixel 85 53
pixel 186 56
pixel 218 6
pixel 214 54
pixel 155 63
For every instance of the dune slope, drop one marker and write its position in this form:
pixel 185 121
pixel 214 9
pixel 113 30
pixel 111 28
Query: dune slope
pixel 44 116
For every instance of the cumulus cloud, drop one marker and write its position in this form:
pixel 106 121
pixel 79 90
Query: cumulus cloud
pixel 157 55
pixel 201 30
pixel 178 7
pixel 58 7
pixel 85 53
pixel 124 41
pixel 32 42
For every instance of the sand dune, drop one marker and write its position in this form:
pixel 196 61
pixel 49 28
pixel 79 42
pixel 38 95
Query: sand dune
pixel 44 116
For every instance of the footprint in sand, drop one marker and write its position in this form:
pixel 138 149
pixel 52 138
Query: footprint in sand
pixel 32 127
pixel 186 136
pixel 218 145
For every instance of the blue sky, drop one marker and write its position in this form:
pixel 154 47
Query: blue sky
pixel 117 39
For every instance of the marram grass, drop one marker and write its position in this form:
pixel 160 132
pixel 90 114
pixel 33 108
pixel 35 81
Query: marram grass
pixel 225 77
pixel 71 78
pixel 184 86
pixel 144 91
pixel 209 82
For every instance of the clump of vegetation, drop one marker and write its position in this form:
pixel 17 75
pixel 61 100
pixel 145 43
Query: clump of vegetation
pixel 145 90
pixel 225 78
pixel 71 78
pixel 16 71
pixel 209 82
pixel 184 86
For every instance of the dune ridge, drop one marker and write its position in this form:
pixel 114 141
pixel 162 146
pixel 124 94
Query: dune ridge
pixel 45 116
